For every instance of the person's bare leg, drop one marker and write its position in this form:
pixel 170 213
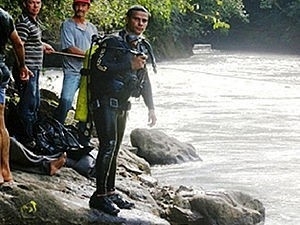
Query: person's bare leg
pixel 4 149
pixel 6 173
pixel 1 177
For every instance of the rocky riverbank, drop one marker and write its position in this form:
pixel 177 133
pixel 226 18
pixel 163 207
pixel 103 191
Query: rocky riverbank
pixel 63 198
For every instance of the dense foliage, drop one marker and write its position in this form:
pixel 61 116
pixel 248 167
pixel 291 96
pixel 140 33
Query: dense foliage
pixel 274 25
pixel 175 24
pixel 171 19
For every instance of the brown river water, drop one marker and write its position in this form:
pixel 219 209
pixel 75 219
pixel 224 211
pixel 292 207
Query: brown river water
pixel 241 111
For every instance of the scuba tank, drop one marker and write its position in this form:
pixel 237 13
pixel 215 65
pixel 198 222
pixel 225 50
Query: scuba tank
pixel 82 105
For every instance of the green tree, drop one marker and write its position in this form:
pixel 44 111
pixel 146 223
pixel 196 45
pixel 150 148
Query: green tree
pixel 291 8
pixel 176 23
pixel 198 22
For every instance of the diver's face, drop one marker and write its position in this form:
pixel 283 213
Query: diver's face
pixel 137 22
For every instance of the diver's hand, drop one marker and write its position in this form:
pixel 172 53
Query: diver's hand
pixel 151 118
pixel 138 62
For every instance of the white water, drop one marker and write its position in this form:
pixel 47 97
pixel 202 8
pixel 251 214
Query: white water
pixel 241 111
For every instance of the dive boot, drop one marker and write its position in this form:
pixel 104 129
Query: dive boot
pixel 104 204
pixel 120 202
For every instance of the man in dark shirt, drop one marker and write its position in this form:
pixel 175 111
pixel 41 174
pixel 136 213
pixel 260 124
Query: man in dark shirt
pixel 8 32
pixel 117 73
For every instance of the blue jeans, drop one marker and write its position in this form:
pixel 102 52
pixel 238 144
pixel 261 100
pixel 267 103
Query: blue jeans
pixel 29 102
pixel 2 95
pixel 71 84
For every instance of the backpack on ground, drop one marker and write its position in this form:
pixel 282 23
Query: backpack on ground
pixel 52 137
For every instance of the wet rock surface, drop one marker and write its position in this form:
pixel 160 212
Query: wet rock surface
pixel 63 199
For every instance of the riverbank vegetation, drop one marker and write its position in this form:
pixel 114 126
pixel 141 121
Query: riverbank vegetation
pixel 273 26
pixel 176 25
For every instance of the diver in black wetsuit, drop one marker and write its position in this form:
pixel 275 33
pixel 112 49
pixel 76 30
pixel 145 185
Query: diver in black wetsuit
pixel 118 71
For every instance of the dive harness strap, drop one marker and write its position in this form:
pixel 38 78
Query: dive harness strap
pixel 114 103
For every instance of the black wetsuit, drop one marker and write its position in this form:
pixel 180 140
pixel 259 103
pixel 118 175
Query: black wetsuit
pixel 111 84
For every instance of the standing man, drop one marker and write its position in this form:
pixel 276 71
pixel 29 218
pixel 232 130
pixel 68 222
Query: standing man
pixel 8 32
pixel 29 30
pixel 118 72
pixel 76 36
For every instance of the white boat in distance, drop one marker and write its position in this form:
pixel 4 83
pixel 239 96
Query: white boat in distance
pixel 201 48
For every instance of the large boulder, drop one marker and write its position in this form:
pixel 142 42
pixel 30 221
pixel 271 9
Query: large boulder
pixel 228 207
pixel 158 148
pixel 198 207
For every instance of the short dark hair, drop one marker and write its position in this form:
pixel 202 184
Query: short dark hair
pixel 137 8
